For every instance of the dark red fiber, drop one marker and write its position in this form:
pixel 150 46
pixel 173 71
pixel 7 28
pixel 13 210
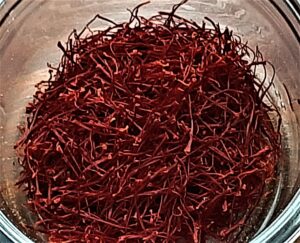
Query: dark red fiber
pixel 155 130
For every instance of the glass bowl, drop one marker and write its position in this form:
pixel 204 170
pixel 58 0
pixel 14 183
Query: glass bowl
pixel 28 40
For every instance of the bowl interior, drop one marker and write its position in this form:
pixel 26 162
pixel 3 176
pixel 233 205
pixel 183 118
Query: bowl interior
pixel 28 40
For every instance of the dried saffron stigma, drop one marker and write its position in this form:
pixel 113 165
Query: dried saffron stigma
pixel 153 130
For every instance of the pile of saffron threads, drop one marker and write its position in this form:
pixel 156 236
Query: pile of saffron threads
pixel 153 130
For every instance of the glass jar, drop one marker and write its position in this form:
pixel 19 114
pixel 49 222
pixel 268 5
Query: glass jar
pixel 30 30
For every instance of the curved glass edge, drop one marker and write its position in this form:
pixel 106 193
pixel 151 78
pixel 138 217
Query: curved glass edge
pixel 11 232
pixel 2 2
pixel 288 11
pixel 7 7
pixel 285 226
pixel 294 5
pixel 294 237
